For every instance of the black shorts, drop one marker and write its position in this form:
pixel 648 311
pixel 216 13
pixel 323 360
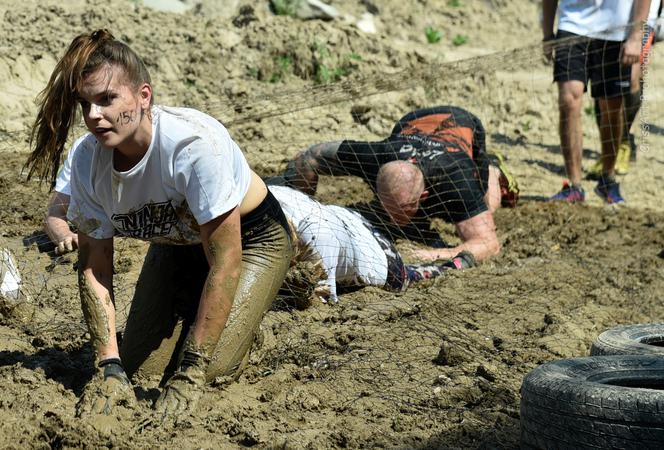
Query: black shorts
pixel 594 60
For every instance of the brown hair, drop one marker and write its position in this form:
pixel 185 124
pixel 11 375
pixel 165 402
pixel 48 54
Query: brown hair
pixel 58 101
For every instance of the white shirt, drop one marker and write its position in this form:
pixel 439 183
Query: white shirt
pixel 62 182
pixel 601 19
pixel 341 237
pixel 191 173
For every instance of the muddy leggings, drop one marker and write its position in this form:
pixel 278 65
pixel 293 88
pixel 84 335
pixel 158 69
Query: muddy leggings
pixel 169 288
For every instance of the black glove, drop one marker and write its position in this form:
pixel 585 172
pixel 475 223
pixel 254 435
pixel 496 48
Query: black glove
pixel 183 390
pixel 104 393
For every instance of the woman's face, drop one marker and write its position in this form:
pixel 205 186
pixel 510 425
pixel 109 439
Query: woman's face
pixel 112 108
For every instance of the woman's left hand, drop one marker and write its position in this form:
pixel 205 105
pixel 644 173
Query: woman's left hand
pixel 183 390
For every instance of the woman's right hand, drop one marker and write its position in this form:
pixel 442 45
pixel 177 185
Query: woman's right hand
pixel 104 394
pixel 67 244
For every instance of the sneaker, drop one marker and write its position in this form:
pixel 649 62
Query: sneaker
pixel 626 153
pixel 622 158
pixel 609 190
pixel 570 193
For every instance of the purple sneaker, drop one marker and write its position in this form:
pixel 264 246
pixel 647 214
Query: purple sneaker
pixel 570 193
pixel 609 190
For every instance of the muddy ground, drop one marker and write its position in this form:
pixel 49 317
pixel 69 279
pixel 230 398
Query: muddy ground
pixel 437 367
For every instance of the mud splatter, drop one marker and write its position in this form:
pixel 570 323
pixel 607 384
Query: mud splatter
pixel 94 312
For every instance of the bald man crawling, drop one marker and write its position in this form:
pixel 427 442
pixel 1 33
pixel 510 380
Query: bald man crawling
pixel 433 165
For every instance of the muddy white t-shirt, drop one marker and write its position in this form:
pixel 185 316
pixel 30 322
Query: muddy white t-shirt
pixel 341 237
pixel 62 182
pixel 192 173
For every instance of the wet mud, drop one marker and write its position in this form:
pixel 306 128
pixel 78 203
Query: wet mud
pixel 438 366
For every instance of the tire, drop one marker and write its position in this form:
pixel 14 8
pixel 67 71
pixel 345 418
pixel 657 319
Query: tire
pixel 643 339
pixel 594 402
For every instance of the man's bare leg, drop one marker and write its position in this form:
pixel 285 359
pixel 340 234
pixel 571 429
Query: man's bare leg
pixel 610 131
pixel 570 101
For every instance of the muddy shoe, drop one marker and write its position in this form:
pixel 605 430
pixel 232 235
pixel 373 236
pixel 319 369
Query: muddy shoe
pixel 623 157
pixel 569 193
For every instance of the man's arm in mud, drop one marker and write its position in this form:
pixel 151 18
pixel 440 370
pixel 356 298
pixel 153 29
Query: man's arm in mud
pixel 319 159
pixel 222 243
pixel 56 226
pixel 478 236
pixel 95 284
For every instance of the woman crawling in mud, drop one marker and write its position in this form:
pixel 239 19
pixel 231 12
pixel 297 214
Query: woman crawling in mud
pixel 173 176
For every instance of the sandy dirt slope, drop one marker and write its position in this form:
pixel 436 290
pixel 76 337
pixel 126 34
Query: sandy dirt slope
pixel 438 366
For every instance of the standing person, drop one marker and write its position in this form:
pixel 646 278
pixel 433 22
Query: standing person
pixel 220 244
pixel 433 164
pixel 606 39
pixel 632 100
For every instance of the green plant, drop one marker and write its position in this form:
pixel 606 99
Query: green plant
pixel 284 64
pixel 433 35
pixel 455 3
pixel 526 126
pixel 321 49
pixel 460 39
pixel 253 72
pixel 286 7
pixel 326 71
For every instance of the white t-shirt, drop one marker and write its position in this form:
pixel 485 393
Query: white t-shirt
pixel 192 173
pixel 601 19
pixel 341 237
pixel 62 182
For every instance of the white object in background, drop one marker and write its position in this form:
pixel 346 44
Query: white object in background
pixel 10 278
pixel 172 6
pixel 315 9
pixel 366 23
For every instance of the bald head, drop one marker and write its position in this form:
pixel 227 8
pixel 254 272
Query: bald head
pixel 399 187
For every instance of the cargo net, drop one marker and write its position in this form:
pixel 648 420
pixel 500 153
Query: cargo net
pixel 447 349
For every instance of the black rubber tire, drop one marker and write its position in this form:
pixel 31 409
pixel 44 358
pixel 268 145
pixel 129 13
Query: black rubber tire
pixel 594 402
pixel 641 339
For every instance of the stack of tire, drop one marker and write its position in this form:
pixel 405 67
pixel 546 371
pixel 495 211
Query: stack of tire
pixel 612 399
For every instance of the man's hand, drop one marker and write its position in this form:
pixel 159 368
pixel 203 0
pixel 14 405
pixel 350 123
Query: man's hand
pixel 183 390
pixel 631 50
pixel 102 396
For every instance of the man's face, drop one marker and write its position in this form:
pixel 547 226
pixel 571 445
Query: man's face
pixel 112 108
pixel 400 206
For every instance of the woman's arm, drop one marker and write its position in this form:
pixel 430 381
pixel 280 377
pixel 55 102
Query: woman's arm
pixel 56 226
pixel 223 249
pixel 95 284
